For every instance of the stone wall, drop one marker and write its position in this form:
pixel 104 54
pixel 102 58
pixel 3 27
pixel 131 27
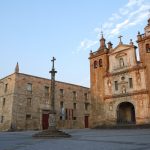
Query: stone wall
pixel 7 86
pixel 31 98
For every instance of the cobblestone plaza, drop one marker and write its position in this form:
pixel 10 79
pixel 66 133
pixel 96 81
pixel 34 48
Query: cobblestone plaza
pixel 85 139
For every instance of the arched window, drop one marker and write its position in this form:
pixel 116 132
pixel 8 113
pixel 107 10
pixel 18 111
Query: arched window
pixel 148 48
pixel 100 63
pixel 95 64
pixel 121 62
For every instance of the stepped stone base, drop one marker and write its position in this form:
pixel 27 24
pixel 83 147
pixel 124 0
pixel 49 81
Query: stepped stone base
pixel 51 134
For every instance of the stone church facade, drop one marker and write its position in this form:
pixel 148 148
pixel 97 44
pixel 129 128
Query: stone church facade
pixel 25 103
pixel 120 84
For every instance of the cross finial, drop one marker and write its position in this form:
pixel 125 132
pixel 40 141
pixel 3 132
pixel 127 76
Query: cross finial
pixel 101 31
pixel 102 34
pixel 120 42
pixel 53 60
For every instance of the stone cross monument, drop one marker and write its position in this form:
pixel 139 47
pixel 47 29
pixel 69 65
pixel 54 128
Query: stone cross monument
pixel 52 118
pixel 52 131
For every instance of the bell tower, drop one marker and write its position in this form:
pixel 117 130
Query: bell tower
pixel 143 41
pixel 98 68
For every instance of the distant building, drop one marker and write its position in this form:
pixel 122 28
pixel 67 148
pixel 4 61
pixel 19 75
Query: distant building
pixel 120 85
pixel 25 103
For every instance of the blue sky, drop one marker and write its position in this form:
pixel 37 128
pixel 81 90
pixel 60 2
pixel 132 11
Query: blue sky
pixel 33 31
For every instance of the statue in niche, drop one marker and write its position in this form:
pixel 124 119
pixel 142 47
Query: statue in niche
pixel 109 83
pixel 123 89
pixel 141 102
pixel 121 62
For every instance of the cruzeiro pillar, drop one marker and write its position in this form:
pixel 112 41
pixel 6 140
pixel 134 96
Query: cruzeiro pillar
pixel 52 117
pixel 52 131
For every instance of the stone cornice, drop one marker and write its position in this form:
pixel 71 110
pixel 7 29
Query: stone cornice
pixel 97 53
pixel 143 38
pixel 126 94
pixel 124 71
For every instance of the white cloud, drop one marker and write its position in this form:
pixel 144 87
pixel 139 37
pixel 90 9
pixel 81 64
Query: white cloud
pixel 133 13
pixel 118 27
pixel 86 44
pixel 123 11
pixel 132 3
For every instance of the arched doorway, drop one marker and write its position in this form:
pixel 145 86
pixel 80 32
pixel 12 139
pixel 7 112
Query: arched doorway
pixel 126 113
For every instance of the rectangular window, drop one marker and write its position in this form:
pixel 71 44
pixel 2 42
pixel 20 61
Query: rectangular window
pixel 95 64
pixel 74 106
pixel 116 85
pixel 29 101
pixel 4 101
pixel 130 82
pixel 60 118
pixel 46 90
pixel 61 93
pixel 29 87
pixel 2 119
pixel 74 118
pixel 6 87
pixel 66 114
pixel 86 106
pixel 28 116
pixel 74 95
pixel 100 63
pixel 85 96
pixel 148 48
pixel 61 104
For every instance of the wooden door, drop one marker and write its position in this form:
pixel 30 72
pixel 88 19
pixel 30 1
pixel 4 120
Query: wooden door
pixel 45 121
pixel 86 121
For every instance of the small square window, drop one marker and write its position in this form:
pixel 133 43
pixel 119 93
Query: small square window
pixel 74 118
pixel 28 116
